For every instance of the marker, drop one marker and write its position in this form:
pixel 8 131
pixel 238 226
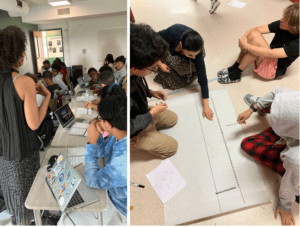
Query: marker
pixel 78 165
pixel 232 124
pixel 137 185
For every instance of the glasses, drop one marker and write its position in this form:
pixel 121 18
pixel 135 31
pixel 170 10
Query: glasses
pixel 155 71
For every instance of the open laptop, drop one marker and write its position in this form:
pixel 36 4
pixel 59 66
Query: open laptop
pixel 81 83
pixel 72 89
pixel 66 117
pixel 67 186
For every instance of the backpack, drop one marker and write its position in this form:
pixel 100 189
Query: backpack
pixel 46 130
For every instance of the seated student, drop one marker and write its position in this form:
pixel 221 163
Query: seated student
pixel 144 124
pixel 106 77
pixel 93 73
pixel 120 69
pixel 57 78
pixel 267 146
pixel 270 61
pixel 46 66
pixel 63 69
pixel 39 98
pixel 52 87
pixel 109 61
pixel 113 177
pixel 105 67
pixel 115 90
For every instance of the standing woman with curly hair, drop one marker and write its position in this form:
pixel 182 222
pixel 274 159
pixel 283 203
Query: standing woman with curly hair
pixel 19 119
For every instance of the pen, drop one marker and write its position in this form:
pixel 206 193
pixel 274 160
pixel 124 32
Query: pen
pixel 137 185
pixel 78 165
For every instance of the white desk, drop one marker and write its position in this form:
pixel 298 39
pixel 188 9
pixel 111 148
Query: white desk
pixel 62 139
pixel 40 196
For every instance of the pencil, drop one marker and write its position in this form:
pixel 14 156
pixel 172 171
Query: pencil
pixel 78 165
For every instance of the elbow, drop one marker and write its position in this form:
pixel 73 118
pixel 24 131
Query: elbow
pixel 34 126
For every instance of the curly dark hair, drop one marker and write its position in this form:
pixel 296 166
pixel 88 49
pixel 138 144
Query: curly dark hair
pixel 12 46
pixel 146 46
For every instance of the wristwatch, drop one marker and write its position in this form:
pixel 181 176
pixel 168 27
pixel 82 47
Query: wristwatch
pixel 253 108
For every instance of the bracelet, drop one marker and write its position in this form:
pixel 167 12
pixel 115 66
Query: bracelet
pixel 248 47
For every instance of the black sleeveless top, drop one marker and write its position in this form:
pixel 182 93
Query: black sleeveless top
pixel 17 140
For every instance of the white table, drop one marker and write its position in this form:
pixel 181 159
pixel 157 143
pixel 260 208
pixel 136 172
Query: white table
pixel 40 196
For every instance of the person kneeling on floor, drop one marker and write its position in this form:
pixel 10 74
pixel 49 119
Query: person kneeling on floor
pixel 278 146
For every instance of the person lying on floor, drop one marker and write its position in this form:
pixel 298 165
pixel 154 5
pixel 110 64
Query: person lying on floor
pixel 147 48
pixel 113 177
pixel 278 146
pixel 271 61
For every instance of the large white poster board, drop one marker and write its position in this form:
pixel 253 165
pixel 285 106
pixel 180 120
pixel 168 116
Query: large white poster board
pixel 219 176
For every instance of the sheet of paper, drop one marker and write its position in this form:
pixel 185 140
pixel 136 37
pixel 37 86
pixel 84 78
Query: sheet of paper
pixel 81 111
pixel 83 99
pixel 75 155
pixel 166 180
pixel 237 4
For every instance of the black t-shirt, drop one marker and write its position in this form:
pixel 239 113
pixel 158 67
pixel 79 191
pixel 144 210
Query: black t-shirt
pixel 290 44
pixel 52 88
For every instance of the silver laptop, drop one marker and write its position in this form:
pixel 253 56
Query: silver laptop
pixel 72 89
pixel 68 187
pixel 66 117
pixel 81 83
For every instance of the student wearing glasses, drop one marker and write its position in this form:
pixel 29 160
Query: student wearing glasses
pixel 144 120
pixel 112 118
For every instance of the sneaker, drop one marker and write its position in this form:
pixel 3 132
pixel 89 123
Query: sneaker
pixel 222 72
pixel 224 79
pixel 214 4
pixel 251 100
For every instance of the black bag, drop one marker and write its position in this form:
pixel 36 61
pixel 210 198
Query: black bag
pixel 46 130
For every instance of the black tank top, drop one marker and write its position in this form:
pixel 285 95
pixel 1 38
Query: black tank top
pixel 17 140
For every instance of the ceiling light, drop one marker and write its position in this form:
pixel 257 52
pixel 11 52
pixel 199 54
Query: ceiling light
pixel 59 2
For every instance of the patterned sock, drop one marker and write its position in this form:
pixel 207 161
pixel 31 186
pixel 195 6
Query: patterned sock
pixel 234 66
pixel 235 74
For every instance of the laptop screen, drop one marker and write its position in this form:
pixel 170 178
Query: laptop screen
pixel 64 115
pixel 80 81
pixel 72 88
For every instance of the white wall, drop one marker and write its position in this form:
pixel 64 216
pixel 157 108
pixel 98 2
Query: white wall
pixel 87 8
pixel 82 34
pixel 27 67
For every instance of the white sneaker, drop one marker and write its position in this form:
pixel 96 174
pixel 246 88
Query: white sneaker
pixel 214 4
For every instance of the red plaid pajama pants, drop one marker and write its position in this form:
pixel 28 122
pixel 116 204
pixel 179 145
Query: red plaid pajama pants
pixel 261 147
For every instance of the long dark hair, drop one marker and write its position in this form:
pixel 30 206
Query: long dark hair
pixel 109 59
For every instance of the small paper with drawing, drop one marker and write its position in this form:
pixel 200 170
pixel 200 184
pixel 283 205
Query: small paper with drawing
pixel 166 181
pixel 237 4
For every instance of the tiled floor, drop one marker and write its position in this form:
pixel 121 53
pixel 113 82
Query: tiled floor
pixel 220 32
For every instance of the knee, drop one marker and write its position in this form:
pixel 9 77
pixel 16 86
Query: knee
pixel 173 118
pixel 253 37
pixel 171 150
pixel 246 144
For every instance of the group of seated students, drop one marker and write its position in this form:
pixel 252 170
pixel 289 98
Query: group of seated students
pixel 112 71
pixel 181 50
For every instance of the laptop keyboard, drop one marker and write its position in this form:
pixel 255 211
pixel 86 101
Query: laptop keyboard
pixel 77 131
pixel 76 199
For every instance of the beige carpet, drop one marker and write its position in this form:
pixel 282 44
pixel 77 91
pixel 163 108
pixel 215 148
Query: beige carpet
pixel 220 32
